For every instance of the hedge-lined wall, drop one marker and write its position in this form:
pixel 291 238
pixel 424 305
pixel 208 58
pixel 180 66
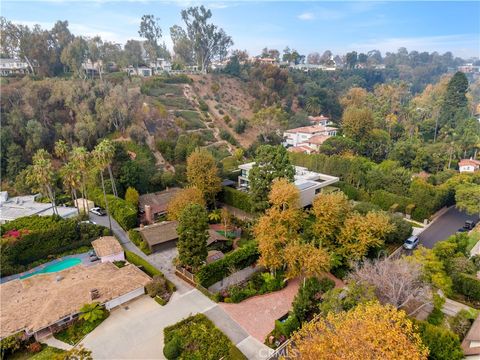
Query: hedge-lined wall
pixel 217 270
pixel 47 235
pixel 122 211
pixel 467 285
pixel 236 198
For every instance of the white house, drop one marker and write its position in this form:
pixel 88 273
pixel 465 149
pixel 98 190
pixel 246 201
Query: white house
pixel 108 249
pixel 161 65
pixel 468 165
pixel 20 206
pixel 309 183
pixel 142 71
pixel 309 137
pixel 10 67
pixel 319 120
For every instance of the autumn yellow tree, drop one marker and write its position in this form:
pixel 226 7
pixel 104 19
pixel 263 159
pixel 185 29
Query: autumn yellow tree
pixel 305 259
pixel 360 233
pixel 355 96
pixel 357 123
pixel 202 173
pixel 369 331
pixel 284 195
pixel 182 198
pixel 330 211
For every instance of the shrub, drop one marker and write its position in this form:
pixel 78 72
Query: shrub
pixel 236 198
pixel 467 285
pixel 403 229
pixel 288 326
pixel 172 349
pixel 157 286
pixel 305 303
pixel 461 323
pixel 349 190
pixel 225 135
pixel 364 207
pixel 34 347
pixel 240 126
pixel 420 214
pixel 238 259
pixel 386 200
pixel 137 239
pixel 442 343
pixel 202 105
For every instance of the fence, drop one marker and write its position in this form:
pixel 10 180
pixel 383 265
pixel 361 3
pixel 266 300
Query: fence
pixel 187 276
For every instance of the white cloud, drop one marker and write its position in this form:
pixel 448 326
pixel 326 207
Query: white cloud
pixel 306 16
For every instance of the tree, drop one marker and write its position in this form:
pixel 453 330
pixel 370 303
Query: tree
pixel 209 42
pixel 271 162
pixel 313 106
pixel 442 343
pixel 330 212
pixel 74 55
pixel 467 198
pixel 305 260
pixel 326 57
pixel 192 236
pixel 61 150
pixel 71 178
pixel 433 269
pixel 455 104
pixel 284 195
pixel 42 174
pixel 226 219
pixel 357 123
pixel 370 331
pixel 269 119
pixel 182 46
pixel 102 159
pixel 133 52
pixel 91 312
pixel 396 282
pixel 182 199
pixel 313 58
pixel 81 159
pixel 360 233
pixel 132 196
pixel 150 29
pixel 351 59
pixel 355 97
pixel 202 173
pixel 305 303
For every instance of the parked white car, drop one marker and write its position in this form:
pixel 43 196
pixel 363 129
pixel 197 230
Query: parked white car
pixel 411 243
pixel 98 211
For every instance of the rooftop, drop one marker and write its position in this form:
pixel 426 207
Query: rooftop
pixel 318 139
pixel 466 162
pixel 312 129
pixel 42 300
pixel 471 342
pixel 167 231
pixel 158 201
pixel 106 246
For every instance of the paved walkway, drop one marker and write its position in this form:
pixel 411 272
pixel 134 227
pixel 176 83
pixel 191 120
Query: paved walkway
pixel 452 307
pixel 257 314
pixel 51 341
pixel 137 333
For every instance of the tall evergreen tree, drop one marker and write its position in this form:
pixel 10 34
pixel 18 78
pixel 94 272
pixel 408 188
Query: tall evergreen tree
pixel 192 236
pixel 455 103
pixel 271 162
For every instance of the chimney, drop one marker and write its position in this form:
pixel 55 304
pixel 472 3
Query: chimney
pixel 148 214
pixel 94 294
pixel 59 278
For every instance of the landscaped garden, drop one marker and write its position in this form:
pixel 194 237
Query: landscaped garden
pixel 30 241
pixel 91 315
pixel 196 337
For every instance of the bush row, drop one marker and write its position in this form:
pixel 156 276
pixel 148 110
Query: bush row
pixel 122 211
pixel 467 285
pixel 44 236
pixel 138 240
pixel 258 284
pixel 238 259
pixel 236 198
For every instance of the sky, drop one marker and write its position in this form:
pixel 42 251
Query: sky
pixel 305 26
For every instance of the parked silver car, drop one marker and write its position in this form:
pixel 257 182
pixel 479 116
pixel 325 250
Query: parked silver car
pixel 411 243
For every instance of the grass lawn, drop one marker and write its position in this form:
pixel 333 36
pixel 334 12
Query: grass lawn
pixel 78 329
pixel 196 337
pixel 47 353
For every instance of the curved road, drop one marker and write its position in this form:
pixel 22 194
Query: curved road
pixel 444 226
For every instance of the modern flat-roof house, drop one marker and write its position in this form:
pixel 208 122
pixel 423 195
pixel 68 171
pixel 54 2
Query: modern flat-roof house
pixel 468 165
pixel 20 206
pixel 309 136
pixel 43 304
pixel 164 235
pixel 108 249
pixel 309 183
pixel 9 67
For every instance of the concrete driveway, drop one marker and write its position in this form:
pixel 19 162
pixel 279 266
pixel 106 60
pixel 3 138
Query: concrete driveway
pixel 444 226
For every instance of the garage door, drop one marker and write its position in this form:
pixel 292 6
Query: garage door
pixel 165 246
pixel 124 298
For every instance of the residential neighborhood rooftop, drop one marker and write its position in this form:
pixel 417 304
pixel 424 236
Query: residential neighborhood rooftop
pixel 39 301
pixel 107 245
pixel 158 201
pixel 312 129
pixel 471 342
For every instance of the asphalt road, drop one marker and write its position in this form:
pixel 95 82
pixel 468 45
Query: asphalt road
pixel 444 226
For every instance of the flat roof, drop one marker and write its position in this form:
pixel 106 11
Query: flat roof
pixel 42 300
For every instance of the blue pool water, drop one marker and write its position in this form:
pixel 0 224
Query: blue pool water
pixel 58 266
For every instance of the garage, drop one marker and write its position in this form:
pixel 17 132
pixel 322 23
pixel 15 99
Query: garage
pixel 124 298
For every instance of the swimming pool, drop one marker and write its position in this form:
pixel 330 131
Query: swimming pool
pixel 58 266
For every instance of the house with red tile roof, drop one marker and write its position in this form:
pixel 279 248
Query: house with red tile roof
pixel 468 165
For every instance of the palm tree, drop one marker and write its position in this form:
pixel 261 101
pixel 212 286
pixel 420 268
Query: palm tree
pixel 71 178
pixel 80 157
pixel 107 153
pixel 91 312
pixel 101 156
pixel 43 175
pixel 313 105
pixel 61 150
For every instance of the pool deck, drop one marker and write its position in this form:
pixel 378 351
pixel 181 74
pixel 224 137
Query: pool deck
pixel 84 257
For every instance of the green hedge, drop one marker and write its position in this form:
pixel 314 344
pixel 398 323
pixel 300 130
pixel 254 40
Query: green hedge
pixel 47 236
pixel 137 239
pixel 236 198
pixel 386 199
pixel 467 285
pixel 238 259
pixel 122 211
pixel 442 343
